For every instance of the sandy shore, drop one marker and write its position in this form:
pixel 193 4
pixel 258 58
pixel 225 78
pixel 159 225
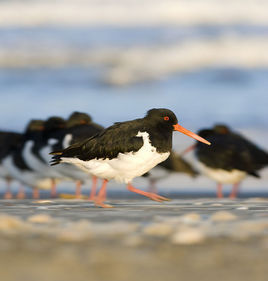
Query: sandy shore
pixel 191 239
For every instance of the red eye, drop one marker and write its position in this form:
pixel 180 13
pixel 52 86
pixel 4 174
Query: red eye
pixel 166 118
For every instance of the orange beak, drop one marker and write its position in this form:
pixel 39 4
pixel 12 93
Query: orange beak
pixel 179 128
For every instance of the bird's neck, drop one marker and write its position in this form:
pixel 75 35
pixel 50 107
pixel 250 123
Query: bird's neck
pixel 161 139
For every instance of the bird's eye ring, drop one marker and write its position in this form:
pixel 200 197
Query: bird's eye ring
pixel 166 118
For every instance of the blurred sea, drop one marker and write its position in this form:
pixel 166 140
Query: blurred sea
pixel 206 60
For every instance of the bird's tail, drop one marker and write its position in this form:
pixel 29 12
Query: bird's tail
pixel 56 159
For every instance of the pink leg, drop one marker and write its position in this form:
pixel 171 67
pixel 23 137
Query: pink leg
pixel 234 191
pixel 219 191
pixel 78 189
pixel 188 149
pixel 93 188
pixel 102 196
pixel 21 193
pixel 53 191
pixel 8 193
pixel 36 194
pixel 150 195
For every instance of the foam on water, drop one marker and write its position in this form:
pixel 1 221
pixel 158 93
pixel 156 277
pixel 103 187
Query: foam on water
pixel 129 12
pixel 126 65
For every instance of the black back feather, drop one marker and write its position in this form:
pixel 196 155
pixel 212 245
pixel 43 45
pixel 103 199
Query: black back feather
pixel 231 151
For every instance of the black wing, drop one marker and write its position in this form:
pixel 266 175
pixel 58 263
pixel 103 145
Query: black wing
pixel 232 152
pixel 119 138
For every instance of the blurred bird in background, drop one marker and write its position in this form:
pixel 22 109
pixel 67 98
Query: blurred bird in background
pixel 230 159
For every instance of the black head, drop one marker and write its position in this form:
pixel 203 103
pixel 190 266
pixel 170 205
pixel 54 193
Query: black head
pixel 35 125
pixel 221 129
pixel 162 117
pixel 218 129
pixel 205 133
pixel 78 118
pixel 166 121
pixel 55 123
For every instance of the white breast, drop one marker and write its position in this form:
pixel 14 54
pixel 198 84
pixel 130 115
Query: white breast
pixel 3 172
pixel 222 176
pixel 29 178
pixel 125 166
pixel 36 164
pixel 67 140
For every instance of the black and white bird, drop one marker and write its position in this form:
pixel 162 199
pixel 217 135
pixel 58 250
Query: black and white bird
pixel 17 167
pixel 9 141
pixel 79 127
pixel 231 158
pixel 33 147
pixel 126 150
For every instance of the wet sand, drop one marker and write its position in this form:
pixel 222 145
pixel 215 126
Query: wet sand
pixel 189 239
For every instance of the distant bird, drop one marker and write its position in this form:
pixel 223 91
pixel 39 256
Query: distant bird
pixel 17 166
pixel 32 151
pixel 8 142
pixel 126 150
pixel 230 159
pixel 174 164
pixel 79 127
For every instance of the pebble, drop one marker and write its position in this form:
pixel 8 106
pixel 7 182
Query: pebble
pixel 216 205
pixel 72 235
pixel 115 228
pixel 43 201
pixel 40 218
pixel 10 223
pixel 242 208
pixel 188 236
pixel 191 218
pixel 222 216
pixel 158 229
pixel 133 240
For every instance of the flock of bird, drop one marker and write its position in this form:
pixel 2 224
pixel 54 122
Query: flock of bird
pixel 78 149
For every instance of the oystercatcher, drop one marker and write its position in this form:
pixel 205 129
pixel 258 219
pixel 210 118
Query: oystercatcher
pixel 79 127
pixel 126 150
pixel 18 168
pixel 174 164
pixel 8 142
pixel 32 147
pixel 231 158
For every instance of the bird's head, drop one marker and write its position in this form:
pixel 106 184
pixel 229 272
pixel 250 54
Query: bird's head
pixel 78 118
pixel 167 119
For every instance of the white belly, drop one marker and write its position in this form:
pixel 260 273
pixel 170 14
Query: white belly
pixel 66 171
pixel 222 176
pixel 36 164
pixel 3 172
pixel 29 178
pixel 125 166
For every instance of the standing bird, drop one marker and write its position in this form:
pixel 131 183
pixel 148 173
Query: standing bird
pixel 79 127
pixel 231 158
pixel 126 150
pixel 9 141
pixel 33 148
pixel 17 167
